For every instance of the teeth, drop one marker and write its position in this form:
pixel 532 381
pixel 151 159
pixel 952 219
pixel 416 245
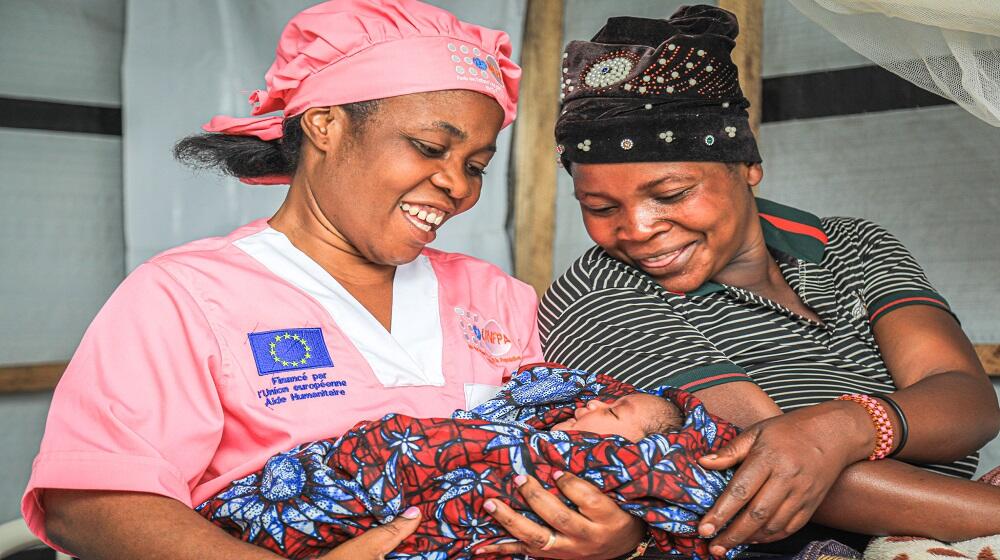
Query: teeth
pixel 429 215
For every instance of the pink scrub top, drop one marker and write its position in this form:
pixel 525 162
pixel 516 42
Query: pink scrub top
pixel 215 355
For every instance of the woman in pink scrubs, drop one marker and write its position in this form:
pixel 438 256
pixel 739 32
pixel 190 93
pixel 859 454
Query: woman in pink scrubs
pixel 215 355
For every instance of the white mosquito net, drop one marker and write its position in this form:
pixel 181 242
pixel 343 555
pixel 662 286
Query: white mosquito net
pixel 949 47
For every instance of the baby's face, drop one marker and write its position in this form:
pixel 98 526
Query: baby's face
pixel 626 417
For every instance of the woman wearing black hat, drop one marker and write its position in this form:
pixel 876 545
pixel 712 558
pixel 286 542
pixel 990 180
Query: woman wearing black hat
pixel 821 337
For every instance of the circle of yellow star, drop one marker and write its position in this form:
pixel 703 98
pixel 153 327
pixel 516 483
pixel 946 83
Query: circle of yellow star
pixel 272 349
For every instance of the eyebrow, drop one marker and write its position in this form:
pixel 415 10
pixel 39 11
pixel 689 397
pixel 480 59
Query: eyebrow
pixel 668 178
pixel 648 185
pixel 451 129
pixel 457 133
pixel 623 403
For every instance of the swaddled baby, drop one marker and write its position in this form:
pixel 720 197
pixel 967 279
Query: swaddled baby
pixel 637 447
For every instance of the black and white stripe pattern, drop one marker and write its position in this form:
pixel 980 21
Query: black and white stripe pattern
pixel 603 315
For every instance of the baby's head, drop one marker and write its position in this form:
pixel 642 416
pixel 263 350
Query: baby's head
pixel 633 417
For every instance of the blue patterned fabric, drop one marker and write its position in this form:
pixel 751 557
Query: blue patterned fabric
pixel 307 500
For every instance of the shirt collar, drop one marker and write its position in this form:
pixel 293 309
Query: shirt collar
pixel 792 231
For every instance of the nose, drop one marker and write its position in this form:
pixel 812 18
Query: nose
pixel 592 405
pixel 639 224
pixel 453 181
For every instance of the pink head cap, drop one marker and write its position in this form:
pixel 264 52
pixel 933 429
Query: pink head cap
pixel 345 51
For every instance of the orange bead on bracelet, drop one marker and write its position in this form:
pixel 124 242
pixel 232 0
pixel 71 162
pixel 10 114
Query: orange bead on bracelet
pixel 880 418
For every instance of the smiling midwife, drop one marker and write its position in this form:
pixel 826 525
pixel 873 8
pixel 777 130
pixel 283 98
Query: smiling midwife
pixel 857 389
pixel 215 355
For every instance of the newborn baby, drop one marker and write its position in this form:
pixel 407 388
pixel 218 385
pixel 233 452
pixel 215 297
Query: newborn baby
pixel 633 417
pixel 308 499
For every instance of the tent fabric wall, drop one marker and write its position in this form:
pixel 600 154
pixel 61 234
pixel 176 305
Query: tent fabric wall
pixel 60 204
pixel 63 51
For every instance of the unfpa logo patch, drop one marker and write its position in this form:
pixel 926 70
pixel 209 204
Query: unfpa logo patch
pixel 289 349
pixel 488 336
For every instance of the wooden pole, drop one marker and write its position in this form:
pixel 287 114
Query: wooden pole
pixel 747 54
pixel 534 148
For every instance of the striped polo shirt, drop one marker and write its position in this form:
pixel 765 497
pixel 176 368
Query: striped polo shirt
pixel 604 315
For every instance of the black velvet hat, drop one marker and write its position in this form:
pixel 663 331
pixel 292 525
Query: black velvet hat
pixel 655 90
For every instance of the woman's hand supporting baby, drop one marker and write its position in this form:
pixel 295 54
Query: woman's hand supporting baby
pixel 789 463
pixel 375 543
pixel 600 529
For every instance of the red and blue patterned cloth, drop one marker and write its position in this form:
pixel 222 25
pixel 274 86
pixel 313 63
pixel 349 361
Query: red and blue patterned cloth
pixel 311 498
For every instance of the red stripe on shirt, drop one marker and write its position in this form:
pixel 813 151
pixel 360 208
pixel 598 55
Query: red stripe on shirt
pixel 898 301
pixel 704 380
pixel 796 227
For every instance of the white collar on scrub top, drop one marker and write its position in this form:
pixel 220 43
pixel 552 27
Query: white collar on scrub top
pixel 411 354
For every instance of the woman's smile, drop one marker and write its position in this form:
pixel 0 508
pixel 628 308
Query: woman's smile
pixel 425 218
pixel 666 262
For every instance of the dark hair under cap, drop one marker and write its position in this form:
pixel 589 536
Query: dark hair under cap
pixel 655 90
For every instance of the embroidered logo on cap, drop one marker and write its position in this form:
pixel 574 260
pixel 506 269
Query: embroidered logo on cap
pixel 289 349
pixel 494 68
pixel 472 66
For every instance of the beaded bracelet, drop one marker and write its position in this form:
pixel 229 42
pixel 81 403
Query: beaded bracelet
pixel 880 418
pixel 904 428
pixel 640 550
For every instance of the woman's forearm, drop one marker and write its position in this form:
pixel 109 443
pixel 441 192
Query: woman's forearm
pixel 942 388
pixel 126 525
pixel 893 498
pixel 950 415
pixel 888 496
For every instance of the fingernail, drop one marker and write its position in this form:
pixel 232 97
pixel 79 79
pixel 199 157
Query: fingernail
pixel 490 506
pixel 718 551
pixel 711 456
pixel 520 479
pixel 557 475
pixel 412 512
pixel 707 530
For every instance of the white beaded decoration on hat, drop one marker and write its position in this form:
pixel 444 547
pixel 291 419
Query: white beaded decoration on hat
pixel 627 144
pixel 608 72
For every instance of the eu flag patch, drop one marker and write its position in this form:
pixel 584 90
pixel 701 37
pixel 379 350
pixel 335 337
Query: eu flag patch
pixel 289 349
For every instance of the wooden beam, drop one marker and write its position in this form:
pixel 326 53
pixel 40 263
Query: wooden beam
pixel 748 52
pixel 30 378
pixel 43 377
pixel 534 148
